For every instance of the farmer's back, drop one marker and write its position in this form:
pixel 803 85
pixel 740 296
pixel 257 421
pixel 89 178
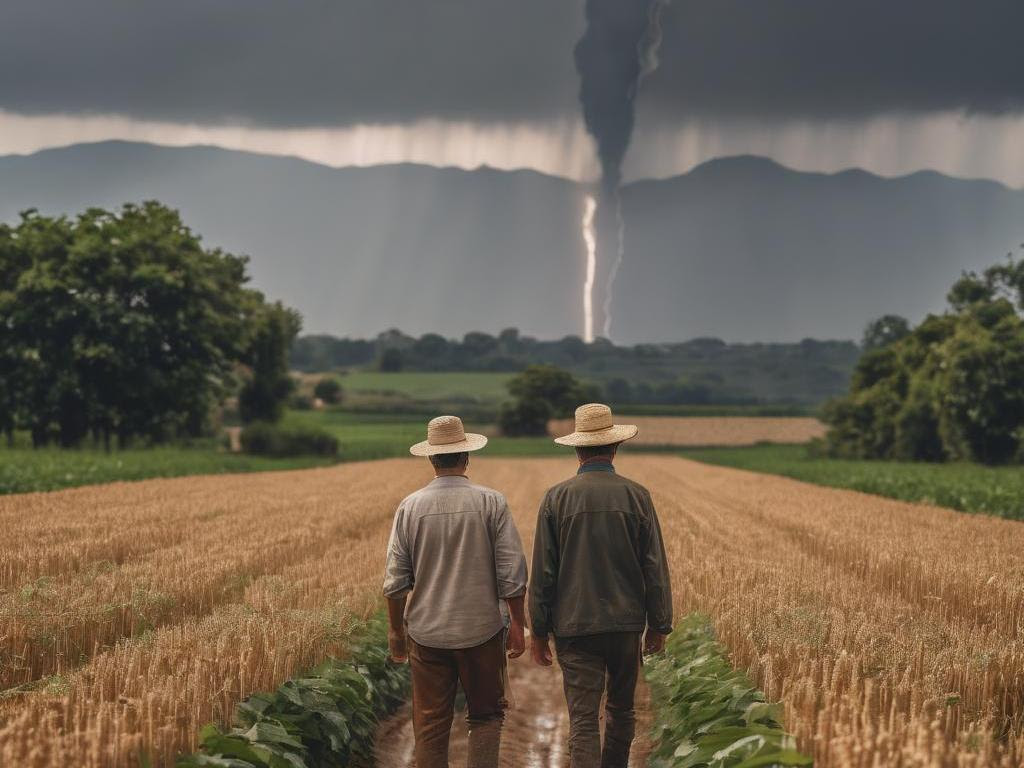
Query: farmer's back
pixel 463 557
pixel 600 579
pixel 602 544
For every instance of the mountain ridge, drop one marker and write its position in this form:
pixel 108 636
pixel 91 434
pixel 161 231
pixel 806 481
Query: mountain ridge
pixel 741 247
pixel 715 161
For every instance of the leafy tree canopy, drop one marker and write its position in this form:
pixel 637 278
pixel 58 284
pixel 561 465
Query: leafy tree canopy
pixel 542 392
pixel 885 331
pixel 950 389
pixel 118 324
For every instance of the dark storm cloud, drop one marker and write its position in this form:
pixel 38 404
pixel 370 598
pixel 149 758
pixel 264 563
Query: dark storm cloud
pixel 331 62
pixel 290 62
pixel 824 58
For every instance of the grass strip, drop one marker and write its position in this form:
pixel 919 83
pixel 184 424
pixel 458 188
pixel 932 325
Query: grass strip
pixel 24 470
pixel 325 719
pixel 709 715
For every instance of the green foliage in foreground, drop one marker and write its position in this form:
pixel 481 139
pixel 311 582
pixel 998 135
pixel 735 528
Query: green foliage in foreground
pixel 23 470
pixel 327 718
pixel 996 491
pixel 708 714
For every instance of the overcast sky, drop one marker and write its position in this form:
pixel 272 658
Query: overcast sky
pixel 890 85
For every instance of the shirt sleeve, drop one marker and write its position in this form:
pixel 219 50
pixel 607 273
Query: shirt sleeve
pixel 398 573
pixel 544 581
pixel 657 581
pixel 509 559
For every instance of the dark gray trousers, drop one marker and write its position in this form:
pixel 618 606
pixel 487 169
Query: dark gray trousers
pixel 592 665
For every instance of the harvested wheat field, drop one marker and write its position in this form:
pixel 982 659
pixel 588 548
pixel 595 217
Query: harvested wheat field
pixel 132 614
pixel 703 431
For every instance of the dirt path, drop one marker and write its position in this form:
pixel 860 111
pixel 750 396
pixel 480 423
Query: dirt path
pixel 536 730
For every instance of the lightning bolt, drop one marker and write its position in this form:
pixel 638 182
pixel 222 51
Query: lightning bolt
pixel 590 240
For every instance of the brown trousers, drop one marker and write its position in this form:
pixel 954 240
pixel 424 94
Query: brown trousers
pixel 590 664
pixel 436 673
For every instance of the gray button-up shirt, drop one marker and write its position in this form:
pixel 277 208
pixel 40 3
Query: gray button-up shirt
pixel 455 546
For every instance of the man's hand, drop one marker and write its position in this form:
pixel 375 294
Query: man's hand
pixel 540 650
pixel 398 646
pixel 517 620
pixel 398 643
pixel 654 642
pixel 516 640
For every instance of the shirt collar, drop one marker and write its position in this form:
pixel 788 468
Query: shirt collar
pixel 596 465
pixel 450 480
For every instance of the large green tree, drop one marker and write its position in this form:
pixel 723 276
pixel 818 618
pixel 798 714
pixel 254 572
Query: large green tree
pixel 119 325
pixel 11 349
pixel 951 388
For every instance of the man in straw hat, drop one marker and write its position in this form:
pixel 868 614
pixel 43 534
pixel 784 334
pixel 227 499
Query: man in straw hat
pixel 600 578
pixel 455 571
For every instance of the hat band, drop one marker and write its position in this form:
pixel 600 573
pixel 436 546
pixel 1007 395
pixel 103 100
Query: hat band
pixel 446 441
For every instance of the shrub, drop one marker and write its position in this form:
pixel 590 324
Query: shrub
pixel 524 418
pixel 329 390
pixel 263 439
pixel 299 402
pixel 560 389
pixel 542 392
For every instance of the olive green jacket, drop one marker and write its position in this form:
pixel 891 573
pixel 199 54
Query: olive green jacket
pixel 599 563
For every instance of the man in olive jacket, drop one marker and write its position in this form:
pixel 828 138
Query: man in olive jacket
pixel 600 579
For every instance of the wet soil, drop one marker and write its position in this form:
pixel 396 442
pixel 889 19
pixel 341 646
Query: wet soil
pixel 536 728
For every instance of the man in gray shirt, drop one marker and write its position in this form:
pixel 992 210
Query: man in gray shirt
pixel 455 570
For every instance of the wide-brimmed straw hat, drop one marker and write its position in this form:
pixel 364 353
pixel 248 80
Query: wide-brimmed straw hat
pixel 595 426
pixel 445 434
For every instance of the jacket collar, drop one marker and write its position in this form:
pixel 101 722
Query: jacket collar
pixel 596 465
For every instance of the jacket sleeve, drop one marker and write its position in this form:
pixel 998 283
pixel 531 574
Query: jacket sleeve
pixel 544 580
pixel 657 581
pixel 509 559
pixel 398 572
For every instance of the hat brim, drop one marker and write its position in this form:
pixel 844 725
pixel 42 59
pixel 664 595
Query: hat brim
pixel 617 433
pixel 473 442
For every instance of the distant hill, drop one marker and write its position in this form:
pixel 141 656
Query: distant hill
pixel 742 248
pixel 739 248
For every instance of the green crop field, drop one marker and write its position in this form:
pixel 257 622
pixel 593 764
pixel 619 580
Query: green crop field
pixel 24 469
pixel 361 436
pixel 968 487
pixel 469 386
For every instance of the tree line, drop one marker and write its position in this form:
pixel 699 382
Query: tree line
pixel 951 388
pixel 705 371
pixel 120 326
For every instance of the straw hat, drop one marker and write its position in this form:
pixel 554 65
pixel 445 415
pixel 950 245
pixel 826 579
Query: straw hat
pixel 595 426
pixel 445 434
